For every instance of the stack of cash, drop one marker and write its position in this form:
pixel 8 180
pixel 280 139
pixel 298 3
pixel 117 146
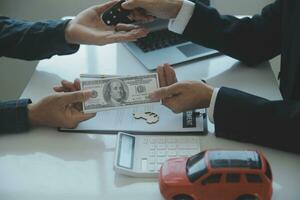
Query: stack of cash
pixel 112 92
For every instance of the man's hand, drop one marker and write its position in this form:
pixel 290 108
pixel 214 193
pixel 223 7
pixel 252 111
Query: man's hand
pixel 181 96
pixel 88 28
pixel 165 9
pixel 59 110
pixel 67 86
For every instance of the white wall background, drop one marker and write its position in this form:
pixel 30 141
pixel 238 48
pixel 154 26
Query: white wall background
pixel 14 74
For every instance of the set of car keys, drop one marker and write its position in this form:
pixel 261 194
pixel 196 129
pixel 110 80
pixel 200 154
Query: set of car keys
pixel 116 14
pixel 150 117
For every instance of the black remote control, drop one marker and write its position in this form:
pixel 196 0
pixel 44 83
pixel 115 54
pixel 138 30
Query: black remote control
pixel 116 14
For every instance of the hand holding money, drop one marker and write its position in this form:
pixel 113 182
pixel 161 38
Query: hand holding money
pixel 116 93
pixel 59 110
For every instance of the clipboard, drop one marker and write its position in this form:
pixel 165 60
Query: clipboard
pixel 122 120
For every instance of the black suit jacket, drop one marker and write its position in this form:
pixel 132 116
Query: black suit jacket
pixel 275 31
pixel 29 41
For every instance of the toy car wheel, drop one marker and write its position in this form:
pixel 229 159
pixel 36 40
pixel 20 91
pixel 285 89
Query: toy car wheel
pixel 182 197
pixel 247 197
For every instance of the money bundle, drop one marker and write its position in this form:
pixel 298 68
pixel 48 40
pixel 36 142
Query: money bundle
pixel 118 92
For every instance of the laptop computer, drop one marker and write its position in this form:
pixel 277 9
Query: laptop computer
pixel 163 46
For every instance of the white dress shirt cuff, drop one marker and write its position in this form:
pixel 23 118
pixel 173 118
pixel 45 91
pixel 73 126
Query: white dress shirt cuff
pixel 183 17
pixel 212 105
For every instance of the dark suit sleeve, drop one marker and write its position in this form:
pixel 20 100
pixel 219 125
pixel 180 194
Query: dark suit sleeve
pixel 33 41
pixel 13 116
pixel 248 118
pixel 251 40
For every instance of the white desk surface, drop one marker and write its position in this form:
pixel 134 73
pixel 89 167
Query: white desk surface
pixel 47 164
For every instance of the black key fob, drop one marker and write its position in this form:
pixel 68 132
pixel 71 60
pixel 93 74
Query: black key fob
pixel 116 14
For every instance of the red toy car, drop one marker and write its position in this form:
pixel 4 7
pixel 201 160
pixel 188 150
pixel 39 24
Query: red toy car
pixel 217 175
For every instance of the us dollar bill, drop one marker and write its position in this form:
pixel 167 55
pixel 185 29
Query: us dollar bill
pixel 118 92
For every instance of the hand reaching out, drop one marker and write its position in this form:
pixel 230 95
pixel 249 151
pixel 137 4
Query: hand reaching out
pixel 88 28
pixel 181 96
pixel 59 110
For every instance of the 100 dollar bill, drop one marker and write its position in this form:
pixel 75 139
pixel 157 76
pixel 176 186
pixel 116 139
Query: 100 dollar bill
pixel 118 92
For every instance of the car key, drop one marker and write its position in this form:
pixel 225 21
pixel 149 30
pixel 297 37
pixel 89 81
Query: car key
pixel 116 14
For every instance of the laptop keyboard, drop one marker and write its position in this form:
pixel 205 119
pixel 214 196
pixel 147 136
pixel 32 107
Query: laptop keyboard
pixel 158 40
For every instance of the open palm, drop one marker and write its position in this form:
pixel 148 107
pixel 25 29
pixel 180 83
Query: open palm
pixel 88 28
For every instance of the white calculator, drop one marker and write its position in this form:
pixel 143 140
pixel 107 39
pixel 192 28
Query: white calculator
pixel 143 155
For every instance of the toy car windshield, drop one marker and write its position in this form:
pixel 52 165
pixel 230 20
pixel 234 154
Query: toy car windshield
pixel 234 159
pixel 196 167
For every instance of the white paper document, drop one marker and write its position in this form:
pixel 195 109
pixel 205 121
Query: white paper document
pixel 113 121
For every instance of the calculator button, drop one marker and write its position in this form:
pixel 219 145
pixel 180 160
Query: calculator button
pixel 152 153
pixel 196 140
pixel 171 140
pixel 161 146
pixel 182 140
pixel 146 140
pixel 178 140
pixel 144 164
pixel 161 153
pixel 151 159
pixel 151 167
pixel 182 146
pixel 161 141
pixel 192 146
pixel 172 153
pixel 161 160
pixel 188 140
pixel 152 141
pixel 181 153
pixel 171 146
